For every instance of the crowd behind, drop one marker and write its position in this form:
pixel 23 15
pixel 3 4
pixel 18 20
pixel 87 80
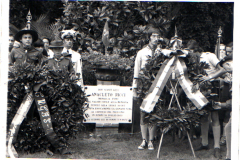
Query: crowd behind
pixel 58 54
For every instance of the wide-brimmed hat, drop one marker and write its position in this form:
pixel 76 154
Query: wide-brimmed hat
pixel 56 44
pixel 34 34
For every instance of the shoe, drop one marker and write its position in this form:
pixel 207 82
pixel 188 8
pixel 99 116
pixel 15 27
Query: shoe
pixel 223 141
pixel 217 153
pixel 202 148
pixel 143 144
pixel 150 146
pixel 65 151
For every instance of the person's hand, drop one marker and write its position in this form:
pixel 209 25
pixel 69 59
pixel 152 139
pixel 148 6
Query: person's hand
pixel 204 78
pixel 217 105
pixel 134 93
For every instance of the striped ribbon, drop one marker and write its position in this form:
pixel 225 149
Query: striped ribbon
pixel 21 114
pixel 149 102
pixel 16 122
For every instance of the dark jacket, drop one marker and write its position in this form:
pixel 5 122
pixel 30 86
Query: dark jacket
pixel 20 55
pixel 61 64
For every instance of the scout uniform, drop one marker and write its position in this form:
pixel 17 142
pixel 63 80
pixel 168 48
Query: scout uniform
pixel 21 54
pixel 60 63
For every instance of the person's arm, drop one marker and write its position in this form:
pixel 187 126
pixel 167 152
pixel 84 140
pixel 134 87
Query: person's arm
pixel 215 62
pixel 137 67
pixel 223 105
pixel 11 57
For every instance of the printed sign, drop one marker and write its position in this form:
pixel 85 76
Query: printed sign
pixel 109 104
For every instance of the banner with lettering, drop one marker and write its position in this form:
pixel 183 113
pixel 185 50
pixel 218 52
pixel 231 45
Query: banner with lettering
pixel 109 104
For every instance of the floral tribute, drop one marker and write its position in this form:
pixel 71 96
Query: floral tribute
pixel 64 98
pixel 168 117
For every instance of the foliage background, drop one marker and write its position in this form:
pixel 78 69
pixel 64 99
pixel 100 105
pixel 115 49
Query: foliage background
pixel 194 20
pixel 127 23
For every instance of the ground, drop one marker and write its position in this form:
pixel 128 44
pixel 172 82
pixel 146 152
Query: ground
pixel 90 145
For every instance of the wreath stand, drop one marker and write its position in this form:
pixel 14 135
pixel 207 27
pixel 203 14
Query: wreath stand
pixel 174 90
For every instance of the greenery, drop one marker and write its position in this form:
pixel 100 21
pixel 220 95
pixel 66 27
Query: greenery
pixel 166 117
pixel 64 97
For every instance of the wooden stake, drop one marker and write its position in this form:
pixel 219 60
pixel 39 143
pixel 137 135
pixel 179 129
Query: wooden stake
pixel 189 139
pixel 159 147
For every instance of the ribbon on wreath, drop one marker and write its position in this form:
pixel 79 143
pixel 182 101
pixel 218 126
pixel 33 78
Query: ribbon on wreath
pixel 149 102
pixel 21 114
pixel 16 122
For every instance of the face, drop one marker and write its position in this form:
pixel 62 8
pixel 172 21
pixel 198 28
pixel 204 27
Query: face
pixel 46 43
pixel 154 39
pixel 57 51
pixel 68 42
pixel 222 51
pixel 11 41
pixel 26 40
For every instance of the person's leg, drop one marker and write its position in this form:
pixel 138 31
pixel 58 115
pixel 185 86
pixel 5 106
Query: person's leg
pixel 144 129
pixel 225 121
pixel 204 132
pixel 152 132
pixel 216 133
pixel 228 139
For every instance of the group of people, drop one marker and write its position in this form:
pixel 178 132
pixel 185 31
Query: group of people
pixel 219 72
pixel 59 54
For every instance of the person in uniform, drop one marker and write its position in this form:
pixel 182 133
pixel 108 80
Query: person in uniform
pixel 151 50
pixel 227 64
pixel 68 36
pixel 212 60
pixel 26 52
pixel 59 62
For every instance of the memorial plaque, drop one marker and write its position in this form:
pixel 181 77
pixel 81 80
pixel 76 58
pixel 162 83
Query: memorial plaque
pixel 109 104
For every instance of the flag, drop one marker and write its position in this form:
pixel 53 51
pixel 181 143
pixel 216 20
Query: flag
pixel 105 35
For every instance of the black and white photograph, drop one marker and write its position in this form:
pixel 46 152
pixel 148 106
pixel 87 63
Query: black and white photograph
pixel 140 80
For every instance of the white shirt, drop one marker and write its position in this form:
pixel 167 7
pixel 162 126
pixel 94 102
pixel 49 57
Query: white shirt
pixel 210 59
pixel 50 53
pixel 142 58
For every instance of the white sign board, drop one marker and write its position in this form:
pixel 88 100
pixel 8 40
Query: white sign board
pixel 109 104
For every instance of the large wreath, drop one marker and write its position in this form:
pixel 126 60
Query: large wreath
pixel 64 98
pixel 162 115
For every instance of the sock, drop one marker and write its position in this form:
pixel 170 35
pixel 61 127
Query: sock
pixel 144 129
pixel 216 135
pixel 224 132
pixel 204 133
pixel 228 139
pixel 152 132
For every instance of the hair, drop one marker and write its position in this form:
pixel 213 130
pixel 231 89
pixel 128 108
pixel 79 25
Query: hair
pixel 229 44
pixel 193 44
pixel 223 45
pixel 151 29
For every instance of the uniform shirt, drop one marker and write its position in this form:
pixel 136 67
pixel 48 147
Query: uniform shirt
pixel 61 64
pixel 77 63
pixel 20 55
pixel 142 58
pixel 210 59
